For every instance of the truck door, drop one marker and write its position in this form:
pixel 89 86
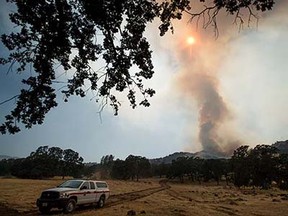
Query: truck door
pixel 92 194
pixel 83 197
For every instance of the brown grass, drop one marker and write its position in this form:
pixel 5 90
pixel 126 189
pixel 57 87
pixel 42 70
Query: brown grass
pixel 178 200
pixel 21 194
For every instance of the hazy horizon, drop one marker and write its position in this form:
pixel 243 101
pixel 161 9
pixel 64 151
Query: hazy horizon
pixel 216 94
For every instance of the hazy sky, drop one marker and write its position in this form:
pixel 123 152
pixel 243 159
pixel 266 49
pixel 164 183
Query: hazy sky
pixel 236 85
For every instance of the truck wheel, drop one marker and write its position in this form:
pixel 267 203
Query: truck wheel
pixel 44 210
pixel 70 206
pixel 101 201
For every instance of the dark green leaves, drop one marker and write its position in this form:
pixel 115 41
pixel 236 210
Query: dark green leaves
pixel 233 6
pixel 171 10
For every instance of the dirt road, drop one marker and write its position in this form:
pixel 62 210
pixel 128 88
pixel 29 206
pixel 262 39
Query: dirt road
pixel 126 197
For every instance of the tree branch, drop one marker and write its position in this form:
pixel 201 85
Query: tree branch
pixel 3 102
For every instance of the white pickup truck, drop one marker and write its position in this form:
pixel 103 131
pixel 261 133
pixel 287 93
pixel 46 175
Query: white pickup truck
pixel 72 193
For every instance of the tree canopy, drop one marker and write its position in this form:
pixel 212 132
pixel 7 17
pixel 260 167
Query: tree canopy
pixel 46 162
pixel 258 167
pixel 74 34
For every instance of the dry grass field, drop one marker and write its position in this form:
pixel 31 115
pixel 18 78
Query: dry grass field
pixel 148 197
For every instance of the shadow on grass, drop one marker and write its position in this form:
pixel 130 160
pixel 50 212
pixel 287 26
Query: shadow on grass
pixel 10 211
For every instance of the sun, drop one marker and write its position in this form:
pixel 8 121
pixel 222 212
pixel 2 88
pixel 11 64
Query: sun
pixel 190 40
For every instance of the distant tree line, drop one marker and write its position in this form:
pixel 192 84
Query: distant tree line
pixel 259 166
pixel 133 167
pixel 198 170
pixel 48 162
pixel 45 162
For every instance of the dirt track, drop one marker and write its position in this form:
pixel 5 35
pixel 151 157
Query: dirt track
pixel 126 197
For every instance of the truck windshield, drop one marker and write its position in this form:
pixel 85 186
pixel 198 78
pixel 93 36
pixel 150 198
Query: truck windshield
pixel 71 184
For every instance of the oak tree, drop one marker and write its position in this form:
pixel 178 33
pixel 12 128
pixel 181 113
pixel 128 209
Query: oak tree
pixel 71 35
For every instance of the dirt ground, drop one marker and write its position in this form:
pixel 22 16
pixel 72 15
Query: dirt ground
pixel 153 197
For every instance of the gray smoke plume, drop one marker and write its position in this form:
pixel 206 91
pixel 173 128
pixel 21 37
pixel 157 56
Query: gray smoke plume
pixel 199 79
pixel 213 111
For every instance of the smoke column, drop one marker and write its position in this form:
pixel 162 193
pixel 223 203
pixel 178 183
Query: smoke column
pixel 212 110
pixel 198 81
pixel 234 114
pixel 198 78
